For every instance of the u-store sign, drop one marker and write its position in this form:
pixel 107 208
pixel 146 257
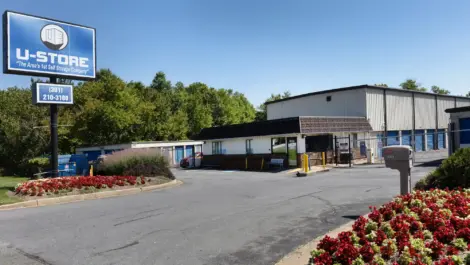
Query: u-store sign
pixel 46 47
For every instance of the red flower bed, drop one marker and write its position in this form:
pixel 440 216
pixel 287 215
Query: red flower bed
pixel 423 227
pixel 56 185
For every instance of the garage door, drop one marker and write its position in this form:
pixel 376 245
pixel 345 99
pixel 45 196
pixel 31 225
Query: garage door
pixel 179 154
pixel 440 139
pixel 406 138
pixel 392 138
pixel 430 139
pixel 419 135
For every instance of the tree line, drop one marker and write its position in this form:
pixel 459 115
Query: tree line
pixel 109 110
pixel 411 84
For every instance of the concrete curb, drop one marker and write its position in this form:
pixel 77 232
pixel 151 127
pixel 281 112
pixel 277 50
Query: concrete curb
pixel 301 255
pixel 89 196
pixel 311 173
pixel 295 170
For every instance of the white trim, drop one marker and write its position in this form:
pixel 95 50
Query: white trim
pixel 47 72
pixel 139 145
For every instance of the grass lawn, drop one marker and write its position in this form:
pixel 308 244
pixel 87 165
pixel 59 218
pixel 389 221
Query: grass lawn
pixel 7 184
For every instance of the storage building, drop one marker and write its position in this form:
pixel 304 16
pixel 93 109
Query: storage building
pixel 381 116
pixel 174 151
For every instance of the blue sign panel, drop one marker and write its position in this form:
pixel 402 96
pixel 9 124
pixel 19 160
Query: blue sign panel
pixel 52 94
pixel 46 47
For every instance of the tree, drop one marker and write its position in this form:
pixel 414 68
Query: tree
pixel 22 135
pixel 440 91
pixel 261 114
pixel 160 83
pixel 411 84
pixel 110 111
pixel 381 85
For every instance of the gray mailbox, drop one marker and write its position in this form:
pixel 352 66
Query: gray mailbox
pixel 400 157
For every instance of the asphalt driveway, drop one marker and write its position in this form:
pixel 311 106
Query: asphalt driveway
pixel 215 217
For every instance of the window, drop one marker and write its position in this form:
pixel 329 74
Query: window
pixel 318 143
pixel 354 140
pixel 249 149
pixel 216 148
pixel 278 145
pixel 328 98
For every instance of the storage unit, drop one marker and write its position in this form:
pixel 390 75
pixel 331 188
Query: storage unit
pixel 419 140
pixel 430 139
pixel 406 138
pixel 172 151
pixel 392 138
pixel 441 139
pixel 179 154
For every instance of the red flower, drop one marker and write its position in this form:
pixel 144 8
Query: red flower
pixel 367 252
pixel 445 234
pixel 346 253
pixel 387 251
pixel 328 244
pixel 381 236
pixel 437 249
pixel 464 233
pixel 359 224
pixel 375 215
pixel 323 259
pixel 445 261
pixel 451 250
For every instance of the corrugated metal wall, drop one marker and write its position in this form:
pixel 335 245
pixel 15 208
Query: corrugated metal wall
pixel 343 103
pixel 444 103
pixel 399 111
pixel 425 111
pixel 461 102
pixel 375 108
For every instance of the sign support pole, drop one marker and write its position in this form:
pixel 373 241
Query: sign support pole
pixel 54 136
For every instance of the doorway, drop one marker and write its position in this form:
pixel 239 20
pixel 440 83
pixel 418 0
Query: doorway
pixel 292 151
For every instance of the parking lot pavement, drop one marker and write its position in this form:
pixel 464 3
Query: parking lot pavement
pixel 216 217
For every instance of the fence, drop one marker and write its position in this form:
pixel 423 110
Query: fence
pixel 428 146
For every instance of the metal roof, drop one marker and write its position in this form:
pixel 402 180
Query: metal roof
pixel 363 86
pixel 303 124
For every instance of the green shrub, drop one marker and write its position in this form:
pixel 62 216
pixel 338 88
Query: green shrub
pixel 452 173
pixel 38 165
pixel 135 162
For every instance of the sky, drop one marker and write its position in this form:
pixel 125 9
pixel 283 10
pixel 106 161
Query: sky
pixel 259 47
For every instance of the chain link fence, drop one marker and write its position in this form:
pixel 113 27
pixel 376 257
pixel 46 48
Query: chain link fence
pixel 428 145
